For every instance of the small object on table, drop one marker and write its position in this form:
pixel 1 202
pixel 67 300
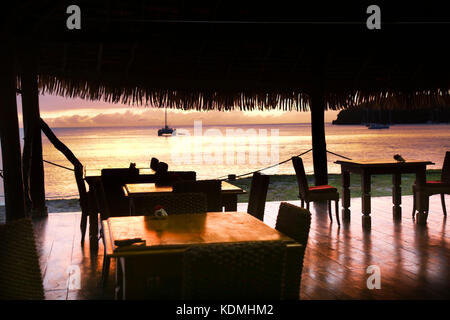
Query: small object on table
pixel 399 158
pixel 127 242
pixel 160 213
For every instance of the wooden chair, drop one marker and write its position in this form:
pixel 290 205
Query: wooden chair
pixel 258 195
pixel 441 187
pixel 295 222
pixel 20 274
pixel 211 188
pixel 317 193
pixel 173 203
pixel 252 270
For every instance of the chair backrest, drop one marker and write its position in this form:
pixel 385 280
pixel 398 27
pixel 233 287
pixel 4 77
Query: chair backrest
pixel 301 177
pixel 445 177
pixel 211 188
pixel 178 203
pixel 20 274
pixel 113 181
pixel 294 222
pixel 100 201
pixel 252 270
pixel 258 195
pixel 154 164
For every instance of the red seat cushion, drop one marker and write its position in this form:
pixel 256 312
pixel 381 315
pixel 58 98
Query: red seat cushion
pixel 324 187
pixel 434 181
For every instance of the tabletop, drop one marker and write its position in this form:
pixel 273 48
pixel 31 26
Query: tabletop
pixel 182 230
pixel 383 162
pixel 146 188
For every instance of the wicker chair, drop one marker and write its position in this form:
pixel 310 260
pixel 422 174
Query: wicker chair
pixel 20 274
pixel 317 193
pixel 441 187
pixel 257 196
pixel 173 203
pixel 211 188
pixel 294 222
pixel 234 271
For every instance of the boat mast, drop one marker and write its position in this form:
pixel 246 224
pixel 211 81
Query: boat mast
pixel 165 118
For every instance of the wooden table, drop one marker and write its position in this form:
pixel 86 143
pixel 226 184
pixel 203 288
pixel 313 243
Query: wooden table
pixel 167 239
pixel 367 168
pixel 229 192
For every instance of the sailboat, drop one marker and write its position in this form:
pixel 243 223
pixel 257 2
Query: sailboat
pixel 166 131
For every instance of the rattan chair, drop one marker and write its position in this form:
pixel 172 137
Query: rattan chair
pixel 295 222
pixel 172 203
pixel 441 187
pixel 252 270
pixel 317 193
pixel 20 274
pixel 258 195
pixel 211 188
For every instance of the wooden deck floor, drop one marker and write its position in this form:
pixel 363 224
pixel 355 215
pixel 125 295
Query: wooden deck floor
pixel 414 261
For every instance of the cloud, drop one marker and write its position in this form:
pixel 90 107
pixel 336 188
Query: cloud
pixel 155 117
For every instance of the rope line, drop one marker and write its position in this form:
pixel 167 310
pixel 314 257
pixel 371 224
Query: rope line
pixel 58 165
pixel 339 155
pixel 271 166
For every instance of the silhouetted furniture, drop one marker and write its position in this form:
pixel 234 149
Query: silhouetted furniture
pixel 295 222
pixel 257 196
pixel 20 274
pixel 228 192
pixel 154 164
pixel 367 168
pixel 166 240
pixel 99 203
pixel 211 188
pixel 234 271
pixel 179 203
pixel 317 193
pixel 430 188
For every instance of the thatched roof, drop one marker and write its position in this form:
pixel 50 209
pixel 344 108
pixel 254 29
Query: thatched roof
pixel 230 54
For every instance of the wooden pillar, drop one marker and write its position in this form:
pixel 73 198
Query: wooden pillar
pixel 32 129
pixel 318 136
pixel 318 106
pixel 9 132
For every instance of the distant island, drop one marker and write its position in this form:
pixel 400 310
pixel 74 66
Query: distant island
pixel 364 115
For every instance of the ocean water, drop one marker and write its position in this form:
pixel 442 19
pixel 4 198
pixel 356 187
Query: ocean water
pixel 216 151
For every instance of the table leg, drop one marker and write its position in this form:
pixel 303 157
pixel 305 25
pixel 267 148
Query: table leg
pixel 229 201
pixel 346 195
pixel 422 198
pixel 365 187
pixel 119 279
pixel 93 229
pixel 397 196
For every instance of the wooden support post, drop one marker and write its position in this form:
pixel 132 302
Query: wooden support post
pixel 9 132
pixel 318 106
pixel 318 137
pixel 32 128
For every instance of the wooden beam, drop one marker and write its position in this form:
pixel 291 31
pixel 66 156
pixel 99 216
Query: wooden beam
pixel 32 129
pixel 9 132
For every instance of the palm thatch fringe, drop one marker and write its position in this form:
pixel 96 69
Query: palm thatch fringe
pixel 225 100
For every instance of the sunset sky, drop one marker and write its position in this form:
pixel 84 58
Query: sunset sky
pixel 61 112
